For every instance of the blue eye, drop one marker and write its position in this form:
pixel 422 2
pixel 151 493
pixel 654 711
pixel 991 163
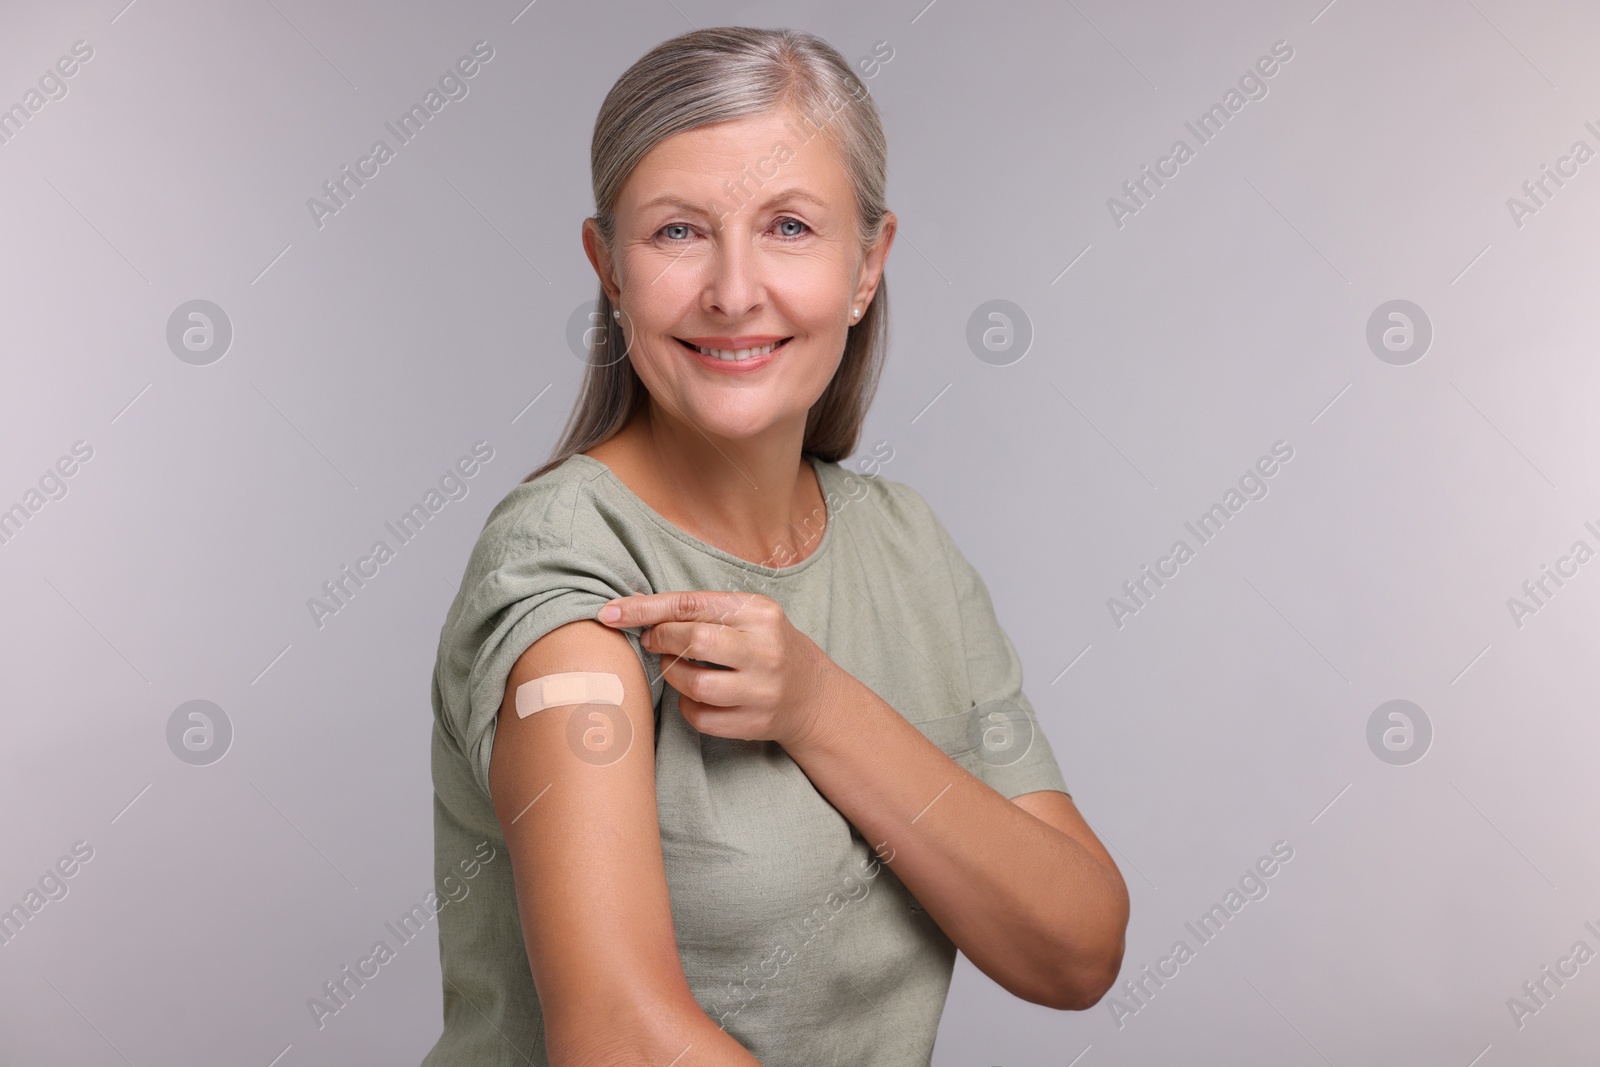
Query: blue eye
pixel 795 222
pixel 676 226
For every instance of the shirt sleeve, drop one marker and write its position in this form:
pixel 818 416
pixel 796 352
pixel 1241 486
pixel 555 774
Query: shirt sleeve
pixel 547 556
pixel 1009 750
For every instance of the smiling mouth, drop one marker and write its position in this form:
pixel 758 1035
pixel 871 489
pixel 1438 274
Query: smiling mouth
pixel 734 356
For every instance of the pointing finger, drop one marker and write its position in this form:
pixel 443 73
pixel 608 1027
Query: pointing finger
pixel 647 609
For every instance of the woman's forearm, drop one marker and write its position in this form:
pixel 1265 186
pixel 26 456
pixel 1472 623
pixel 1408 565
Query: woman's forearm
pixel 1031 907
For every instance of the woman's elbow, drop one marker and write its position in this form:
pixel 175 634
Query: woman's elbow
pixel 1091 970
pixel 1088 983
pixel 1079 987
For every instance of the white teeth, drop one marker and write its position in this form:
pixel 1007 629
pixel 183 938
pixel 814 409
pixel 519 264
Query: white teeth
pixel 738 354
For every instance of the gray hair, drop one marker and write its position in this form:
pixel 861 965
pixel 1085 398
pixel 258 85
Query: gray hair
pixel 716 75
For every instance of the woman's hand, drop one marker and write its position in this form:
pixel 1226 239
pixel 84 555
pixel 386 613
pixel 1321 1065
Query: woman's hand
pixel 778 682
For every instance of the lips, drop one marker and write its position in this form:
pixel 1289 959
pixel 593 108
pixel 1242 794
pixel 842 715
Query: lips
pixel 725 353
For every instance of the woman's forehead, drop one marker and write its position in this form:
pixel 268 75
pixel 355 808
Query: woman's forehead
pixel 776 149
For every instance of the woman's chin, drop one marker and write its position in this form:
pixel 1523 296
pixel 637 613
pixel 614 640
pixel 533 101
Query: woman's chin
pixel 734 425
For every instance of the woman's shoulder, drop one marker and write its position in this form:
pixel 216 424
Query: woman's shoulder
pixel 562 533
pixel 555 499
pixel 569 512
pixel 888 507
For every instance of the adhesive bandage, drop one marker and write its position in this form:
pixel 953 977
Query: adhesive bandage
pixel 559 690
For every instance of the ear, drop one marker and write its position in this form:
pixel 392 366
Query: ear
pixel 600 259
pixel 872 264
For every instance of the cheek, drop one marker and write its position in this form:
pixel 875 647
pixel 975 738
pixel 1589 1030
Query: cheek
pixel 825 283
pixel 810 372
pixel 653 316
pixel 653 362
pixel 816 302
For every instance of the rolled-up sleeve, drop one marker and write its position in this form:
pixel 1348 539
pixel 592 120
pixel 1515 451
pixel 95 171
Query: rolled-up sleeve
pixel 540 563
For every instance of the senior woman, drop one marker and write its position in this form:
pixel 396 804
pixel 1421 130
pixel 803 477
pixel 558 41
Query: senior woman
pixel 741 724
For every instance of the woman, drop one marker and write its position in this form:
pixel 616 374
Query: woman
pixel 804 772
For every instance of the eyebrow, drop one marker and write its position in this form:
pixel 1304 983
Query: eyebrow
pixel 673 200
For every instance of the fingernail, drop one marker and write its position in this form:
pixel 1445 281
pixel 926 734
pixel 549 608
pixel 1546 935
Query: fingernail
pixel 610 613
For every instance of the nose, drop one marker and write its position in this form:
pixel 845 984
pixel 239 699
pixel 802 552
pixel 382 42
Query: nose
pixel 734 286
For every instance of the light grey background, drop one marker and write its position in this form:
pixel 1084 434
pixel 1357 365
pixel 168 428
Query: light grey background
pixel 1229 313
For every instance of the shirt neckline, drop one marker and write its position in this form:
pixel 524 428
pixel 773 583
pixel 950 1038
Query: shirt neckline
pixel 824 476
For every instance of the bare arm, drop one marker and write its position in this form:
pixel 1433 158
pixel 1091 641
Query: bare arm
pixel 1022 886
pixel 585 850
pixel 1024 889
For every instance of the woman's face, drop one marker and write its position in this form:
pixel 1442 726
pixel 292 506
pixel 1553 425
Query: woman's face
pixel 737 237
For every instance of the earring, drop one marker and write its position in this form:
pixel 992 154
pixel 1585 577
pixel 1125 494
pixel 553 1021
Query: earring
pixel 616 314
pixel 854 312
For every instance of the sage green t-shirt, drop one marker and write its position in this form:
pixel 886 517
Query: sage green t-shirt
pixel 792 936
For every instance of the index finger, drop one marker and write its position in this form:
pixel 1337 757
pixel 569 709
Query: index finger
pixel 647 609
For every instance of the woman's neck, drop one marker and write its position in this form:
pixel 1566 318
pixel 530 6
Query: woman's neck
pixel 755 498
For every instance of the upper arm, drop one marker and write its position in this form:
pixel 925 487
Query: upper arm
pixel 585 851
